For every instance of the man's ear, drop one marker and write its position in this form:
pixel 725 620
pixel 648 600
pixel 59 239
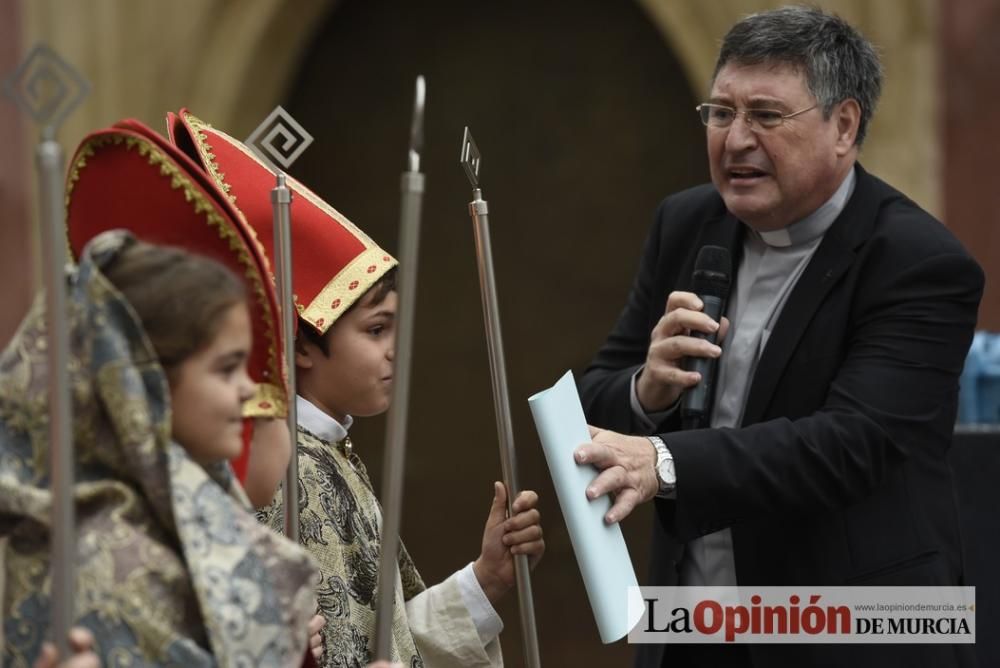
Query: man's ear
pixel 848 118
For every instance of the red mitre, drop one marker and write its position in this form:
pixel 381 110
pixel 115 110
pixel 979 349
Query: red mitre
pixel 333 262
pixel 127 176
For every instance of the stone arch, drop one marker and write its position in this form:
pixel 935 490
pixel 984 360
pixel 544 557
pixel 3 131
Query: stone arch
pixel 228 60
pixel 232 61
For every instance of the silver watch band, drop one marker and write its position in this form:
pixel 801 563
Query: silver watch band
pixel 664 467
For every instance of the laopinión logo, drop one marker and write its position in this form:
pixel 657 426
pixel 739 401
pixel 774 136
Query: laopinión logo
pixel 805 615
pixel 46 87
pixel 279 140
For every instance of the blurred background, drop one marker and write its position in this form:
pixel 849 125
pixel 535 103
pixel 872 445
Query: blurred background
pixel 584 113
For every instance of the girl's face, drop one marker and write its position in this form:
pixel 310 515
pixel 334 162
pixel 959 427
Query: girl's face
pixel 207 391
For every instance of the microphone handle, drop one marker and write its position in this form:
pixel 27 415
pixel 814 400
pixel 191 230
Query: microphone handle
pixel 696 403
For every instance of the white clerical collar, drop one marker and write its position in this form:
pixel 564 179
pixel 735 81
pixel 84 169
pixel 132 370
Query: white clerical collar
pixel 319 423
pixel 815 224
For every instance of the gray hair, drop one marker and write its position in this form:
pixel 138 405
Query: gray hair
pixel 838 62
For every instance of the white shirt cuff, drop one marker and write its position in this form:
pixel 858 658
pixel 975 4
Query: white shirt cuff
pixel 487 621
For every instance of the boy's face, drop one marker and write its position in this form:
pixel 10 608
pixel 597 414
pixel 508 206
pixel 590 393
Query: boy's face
pixel 356 377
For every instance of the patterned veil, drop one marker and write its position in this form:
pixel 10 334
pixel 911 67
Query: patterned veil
pixel 172 567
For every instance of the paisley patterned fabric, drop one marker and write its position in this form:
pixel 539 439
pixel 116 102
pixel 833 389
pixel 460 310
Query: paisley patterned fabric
pixel 340 524
pixel 172 568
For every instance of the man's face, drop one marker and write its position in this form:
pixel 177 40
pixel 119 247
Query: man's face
pixel 772 178
pixel 356 377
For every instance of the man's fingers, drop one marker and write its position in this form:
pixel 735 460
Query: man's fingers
pixel 609 480
pixel 624 504
pixel 723 329
pixel 674 348
pixel 595 454
pixel 683 320
pixel 666 373
pixel 680 299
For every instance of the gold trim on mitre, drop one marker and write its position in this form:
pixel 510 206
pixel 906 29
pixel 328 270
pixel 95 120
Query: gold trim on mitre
pixel 267 401
pixel 347 287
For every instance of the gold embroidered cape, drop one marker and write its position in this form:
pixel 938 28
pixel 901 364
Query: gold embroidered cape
pixel 339 524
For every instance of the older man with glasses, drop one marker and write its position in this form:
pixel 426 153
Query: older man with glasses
pixel 849 316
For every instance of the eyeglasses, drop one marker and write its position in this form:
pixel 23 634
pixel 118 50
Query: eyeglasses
pixel 721 116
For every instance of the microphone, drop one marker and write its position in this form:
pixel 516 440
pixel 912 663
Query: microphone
pixel 710 281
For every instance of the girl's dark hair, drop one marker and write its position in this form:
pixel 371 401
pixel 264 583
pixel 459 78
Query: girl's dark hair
pixel 180 297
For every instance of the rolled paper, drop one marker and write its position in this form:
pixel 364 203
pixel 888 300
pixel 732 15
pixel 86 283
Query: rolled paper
pixel 600 548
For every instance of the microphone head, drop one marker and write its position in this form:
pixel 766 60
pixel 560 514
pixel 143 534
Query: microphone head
pixel 712 270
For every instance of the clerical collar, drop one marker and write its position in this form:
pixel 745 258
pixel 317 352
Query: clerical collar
pixel 815 224
pixel 319 423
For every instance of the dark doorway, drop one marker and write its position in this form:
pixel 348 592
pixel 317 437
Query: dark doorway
pixel 585 122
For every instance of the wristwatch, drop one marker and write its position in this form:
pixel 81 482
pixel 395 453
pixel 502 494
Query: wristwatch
pixel 664 467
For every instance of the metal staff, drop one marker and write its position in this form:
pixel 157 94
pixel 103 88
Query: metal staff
pixel 281 202
pixel 49 160
pixel 48 89
pixel 471 160
pixel 412 194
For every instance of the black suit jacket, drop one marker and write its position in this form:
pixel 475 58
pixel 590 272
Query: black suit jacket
pixel 838 474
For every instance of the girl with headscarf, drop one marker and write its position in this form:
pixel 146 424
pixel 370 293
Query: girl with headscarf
pixel 169 351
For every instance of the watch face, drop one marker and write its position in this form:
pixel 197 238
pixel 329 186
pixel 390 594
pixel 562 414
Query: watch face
pixel 665 472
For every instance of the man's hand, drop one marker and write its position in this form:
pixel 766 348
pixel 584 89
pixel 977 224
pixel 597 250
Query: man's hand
pixel 662 379
pixel 503 538
pixel 626 465
pixel 80 643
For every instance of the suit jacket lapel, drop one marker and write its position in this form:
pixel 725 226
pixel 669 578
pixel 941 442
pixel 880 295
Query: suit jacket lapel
pixel 833 257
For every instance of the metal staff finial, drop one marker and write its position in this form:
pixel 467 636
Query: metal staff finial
pixel 417 126
pixel 412 193
pixel 48 89
pixel 471 160
pixel 280 140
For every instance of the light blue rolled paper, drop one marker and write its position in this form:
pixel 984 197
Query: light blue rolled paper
pixel 600 549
